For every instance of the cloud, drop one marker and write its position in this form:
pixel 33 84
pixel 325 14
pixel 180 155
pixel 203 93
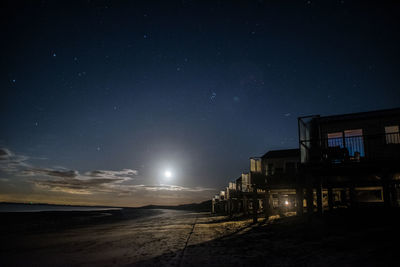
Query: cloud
pixel 114 183
pixel 4 153
pixel 50 172
pixel 112 174
pixel 73 182
pixel 108 184
pixel 10 162
pixel 76 185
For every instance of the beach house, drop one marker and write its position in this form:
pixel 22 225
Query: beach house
pixel 349 159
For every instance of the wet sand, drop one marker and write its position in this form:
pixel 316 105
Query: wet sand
pixel 183 238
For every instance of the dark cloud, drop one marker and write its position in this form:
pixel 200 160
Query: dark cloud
pixel 4 153
pixel 51 172
pixel 111 174
pixel 10 162
pixel 75 185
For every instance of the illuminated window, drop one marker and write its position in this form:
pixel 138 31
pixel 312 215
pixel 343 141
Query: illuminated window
pixel 335 139
pixel 354 141
pixel 392 134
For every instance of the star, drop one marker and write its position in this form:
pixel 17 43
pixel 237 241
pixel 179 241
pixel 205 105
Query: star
pixel 213 95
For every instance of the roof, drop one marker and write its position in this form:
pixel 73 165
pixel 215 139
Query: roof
pixel 285 153
pixel 359 115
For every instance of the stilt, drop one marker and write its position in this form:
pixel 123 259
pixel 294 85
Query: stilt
pixel 255 205
pixel 310 196
pixel 343 196
pixel 245 206
pixel 267 206
pixel 299 197
pixel 386 192
pixel 352 195
pixel 319 196
pixel 330 197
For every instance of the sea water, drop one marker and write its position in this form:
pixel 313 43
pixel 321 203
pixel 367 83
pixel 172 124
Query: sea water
pixel 20 207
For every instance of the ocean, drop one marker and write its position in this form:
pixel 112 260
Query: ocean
pixel 20 207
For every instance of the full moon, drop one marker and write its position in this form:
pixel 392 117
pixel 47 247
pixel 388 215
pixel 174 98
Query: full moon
pixel 168 174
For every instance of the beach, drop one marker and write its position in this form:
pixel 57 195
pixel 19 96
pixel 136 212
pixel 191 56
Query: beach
pixel 183 238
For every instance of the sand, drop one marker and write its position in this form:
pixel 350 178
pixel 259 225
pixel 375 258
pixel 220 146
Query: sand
pixel 184 238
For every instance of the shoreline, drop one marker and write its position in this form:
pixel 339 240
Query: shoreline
pixel 58 220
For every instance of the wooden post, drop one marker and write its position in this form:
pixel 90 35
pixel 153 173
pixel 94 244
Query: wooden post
pixel 309 195
pixel 299 196
pixel 343 196
pixel 320 208
pixel 330 197
pixel 352 194
pixel 267 206
pixel 255 205
pixel 299 200
pixel 386 193
pixel 245 206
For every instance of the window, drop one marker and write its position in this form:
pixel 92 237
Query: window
pixel 392 134
pixel 354 142
pixel 335 139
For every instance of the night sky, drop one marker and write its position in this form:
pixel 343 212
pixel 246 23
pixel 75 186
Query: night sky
pixel 100 98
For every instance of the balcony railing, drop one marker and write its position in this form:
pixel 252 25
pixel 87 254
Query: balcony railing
pixel 351 148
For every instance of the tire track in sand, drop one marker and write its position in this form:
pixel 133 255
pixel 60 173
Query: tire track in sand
pixel 182 254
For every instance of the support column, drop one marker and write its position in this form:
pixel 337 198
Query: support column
pixel 330 197
pixel 353 202
pixel 245 206
pixel 309 195
pixel 255 205
pixel 343 196
pixel 386 193
pixel 267 208
pixel 299 196
pixel 319 196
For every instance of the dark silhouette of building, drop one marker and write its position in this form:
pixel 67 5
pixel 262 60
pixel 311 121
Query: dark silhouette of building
pixel 355 157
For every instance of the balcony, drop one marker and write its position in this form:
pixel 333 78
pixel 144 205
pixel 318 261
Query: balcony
pixel 351 149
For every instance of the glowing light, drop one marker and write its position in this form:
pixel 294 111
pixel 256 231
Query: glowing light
pixel 286 202
pixel 168 174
